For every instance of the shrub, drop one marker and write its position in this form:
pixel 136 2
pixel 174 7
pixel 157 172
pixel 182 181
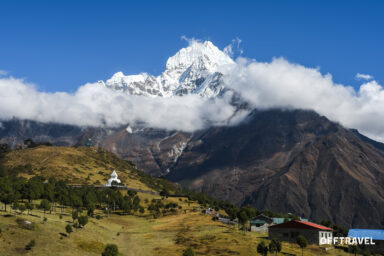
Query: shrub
pixel 262 248
pixel 75 215
pixel 68 229
pixel 83 220
pixel 30 245
pixel 110 250
pixel 275 246
pixel 189 252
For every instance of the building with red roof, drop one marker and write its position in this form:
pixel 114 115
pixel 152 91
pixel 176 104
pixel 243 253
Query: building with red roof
pixel 289 231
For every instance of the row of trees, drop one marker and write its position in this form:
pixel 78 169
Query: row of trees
pixel 231 210
pixel 338 231
pixel 55 194
pixel 156 207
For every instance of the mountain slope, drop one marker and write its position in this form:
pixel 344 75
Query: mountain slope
pixel 289 161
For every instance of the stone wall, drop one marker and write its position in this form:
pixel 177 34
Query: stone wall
pixel 260 229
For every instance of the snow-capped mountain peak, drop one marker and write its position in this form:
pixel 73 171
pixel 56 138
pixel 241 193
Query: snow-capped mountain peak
pixel 193 69
pixel 199 54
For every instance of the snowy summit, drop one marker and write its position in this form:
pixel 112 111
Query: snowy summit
pixel 192 70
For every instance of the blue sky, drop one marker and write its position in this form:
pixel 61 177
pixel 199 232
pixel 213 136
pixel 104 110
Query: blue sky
pixel 60 45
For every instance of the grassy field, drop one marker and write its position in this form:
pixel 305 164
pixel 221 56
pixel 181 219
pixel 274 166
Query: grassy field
pixel 136 235
pixel 78 165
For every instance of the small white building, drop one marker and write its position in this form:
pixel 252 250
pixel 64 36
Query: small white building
pixel 113 178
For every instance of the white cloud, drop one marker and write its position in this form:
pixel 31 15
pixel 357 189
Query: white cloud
pixel 280 83
pixel 95 105
pixel 360 76
pixel 233 48
pixel 3 73
pixel 190 40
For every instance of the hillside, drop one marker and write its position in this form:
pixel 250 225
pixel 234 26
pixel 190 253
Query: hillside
pixel 289 161
pixel 136 235
pixel 79 165
pixel 318 168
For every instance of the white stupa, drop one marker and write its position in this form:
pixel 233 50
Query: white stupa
pixel 113 178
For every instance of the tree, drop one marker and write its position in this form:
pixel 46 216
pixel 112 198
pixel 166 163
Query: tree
pixel 33 189
pixel 189 252
pixel 49 193
pixel 90 210
pixel 231 211
pixel 75 215
pixel 29 207
pixel 262 248
pixel 275 246
pixel 68 229
pixel 7 195
pixel 164 193
pixel 45 205
pixel 83 220
pixel 22 208
pixel 136 203
pixel 15 206
pixel 75 201
pixel 110 250
pixel 243 218
pixel 338 231
pixel 302 242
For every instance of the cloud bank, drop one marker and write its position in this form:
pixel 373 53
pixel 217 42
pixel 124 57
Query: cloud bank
pixel 95 105
pixel 275 84
pixel 281 84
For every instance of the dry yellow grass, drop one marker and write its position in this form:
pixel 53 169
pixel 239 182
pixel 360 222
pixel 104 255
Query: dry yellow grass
pixel 138 235
pixel 78 165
